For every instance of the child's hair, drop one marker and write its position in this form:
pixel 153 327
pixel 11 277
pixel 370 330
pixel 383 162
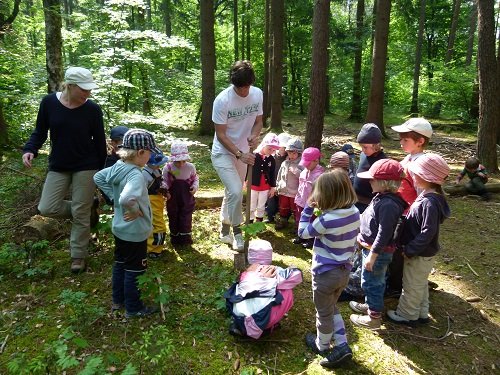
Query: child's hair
pixel 127 154
pixel 387 185
pixel 472 163
pixel 333 190
pixel 438 188
pixel 415 136
pixel 242 73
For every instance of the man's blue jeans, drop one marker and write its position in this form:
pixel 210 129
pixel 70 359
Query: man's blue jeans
pixel 373 283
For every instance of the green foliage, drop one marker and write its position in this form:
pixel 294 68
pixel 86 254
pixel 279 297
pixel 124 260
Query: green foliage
pixel 253 229
pixel 25 260
pixel 80 312
pixel 155 347
pixel 152 288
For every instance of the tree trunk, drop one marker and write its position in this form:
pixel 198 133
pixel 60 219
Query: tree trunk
pixel 418 59
pixel 471 34
pixel 317 86
pixel 453 31
pixel 208 65
pixel 375 112
pixel 268 79
pixel 235 30
pixel 358 58
pixel 166 7
pixel 488 86
pixel 277 18
pixel 4 136
pixel 248 29
pixel 53 44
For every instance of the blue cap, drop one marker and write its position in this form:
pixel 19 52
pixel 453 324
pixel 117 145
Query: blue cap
pixel 348 149
pixel 157 159
pixel 118 132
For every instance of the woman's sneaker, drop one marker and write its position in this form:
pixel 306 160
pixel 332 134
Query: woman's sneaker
pixel 144 312
pixel 360 308
pixel 337 356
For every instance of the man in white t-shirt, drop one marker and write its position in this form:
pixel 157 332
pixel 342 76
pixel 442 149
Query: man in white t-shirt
pixel 237 116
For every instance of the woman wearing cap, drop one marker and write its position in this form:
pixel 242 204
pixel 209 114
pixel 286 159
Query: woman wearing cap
pixel 78 150
pixel 181 182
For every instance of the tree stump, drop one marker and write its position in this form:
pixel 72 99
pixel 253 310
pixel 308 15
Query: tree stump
pixel 39 228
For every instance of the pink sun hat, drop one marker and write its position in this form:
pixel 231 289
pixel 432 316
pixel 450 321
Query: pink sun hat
pixel 309 154
pixel 179 152
pixel 431 167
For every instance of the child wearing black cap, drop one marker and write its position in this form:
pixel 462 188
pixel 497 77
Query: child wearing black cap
pixel 153 176
pixel 132 221
pixel 116 139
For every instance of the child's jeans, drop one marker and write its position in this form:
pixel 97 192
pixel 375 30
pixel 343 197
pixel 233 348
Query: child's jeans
pixel 373 282
pixel 130 262
pixel 414 301
pixel 476 186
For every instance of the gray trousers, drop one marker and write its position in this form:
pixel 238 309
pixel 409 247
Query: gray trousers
pixel 52 204
pixel 327 287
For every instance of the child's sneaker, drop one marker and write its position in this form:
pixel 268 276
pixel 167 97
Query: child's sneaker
pixel 337 356
pixel 155 256
pixel 311 344
pixel 144 312
pixel 366 321
pixel 115 307
pixel 298 240
pixel 360 308
pixel 238 243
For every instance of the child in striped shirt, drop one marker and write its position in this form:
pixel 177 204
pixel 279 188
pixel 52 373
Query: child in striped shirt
pixel 334 231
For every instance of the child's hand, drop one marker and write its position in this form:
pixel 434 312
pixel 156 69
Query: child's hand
pixel 192 191
pixel 311 203
pixel 130 216
pixel 370 261
pixel 272 192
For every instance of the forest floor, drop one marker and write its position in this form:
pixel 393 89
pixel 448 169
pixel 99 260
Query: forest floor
pixel 54 322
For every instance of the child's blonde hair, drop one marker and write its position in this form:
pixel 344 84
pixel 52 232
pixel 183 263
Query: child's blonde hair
pixel 333 190
pixel 127 154
pixel 388 185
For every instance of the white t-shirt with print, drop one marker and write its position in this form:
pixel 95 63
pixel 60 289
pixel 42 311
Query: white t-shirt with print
pixel 238 114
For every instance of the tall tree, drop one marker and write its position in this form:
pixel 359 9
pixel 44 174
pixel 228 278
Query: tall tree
pixel 277 24
pixel 53 44
pixel 418 59
pixel 474 99
pixel 488 86
pixel 207 43
pixel 317 86
pixel 358 58
pixel 375 111
pixel 6 20
pixel 235 30
pixel 453 31
pixel 268 53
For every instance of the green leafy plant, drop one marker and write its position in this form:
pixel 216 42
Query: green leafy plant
pixel 79 311
pixel 151 287
pixel 155 346
pixel 252 230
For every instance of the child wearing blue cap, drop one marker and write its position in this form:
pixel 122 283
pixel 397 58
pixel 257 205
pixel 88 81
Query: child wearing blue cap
pixel 153 175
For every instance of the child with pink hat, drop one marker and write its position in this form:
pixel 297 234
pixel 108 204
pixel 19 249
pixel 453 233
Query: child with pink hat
pixel 263 176
pixel 181 182
pixel 419 239
pixel 312 170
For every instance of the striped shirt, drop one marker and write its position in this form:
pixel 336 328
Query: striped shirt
pixel 334 233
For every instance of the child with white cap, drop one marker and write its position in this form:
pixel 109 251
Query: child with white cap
pixel 181 182
pixel 287 182
pixel 280 156
pixel 263 176
pixel 419 239
pixel 153 177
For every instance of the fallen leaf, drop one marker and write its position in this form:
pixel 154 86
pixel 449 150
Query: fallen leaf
pixel 473 299
pixel 483 315
pixel 236 364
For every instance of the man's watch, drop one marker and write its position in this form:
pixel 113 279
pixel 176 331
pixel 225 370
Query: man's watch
pixel 238 154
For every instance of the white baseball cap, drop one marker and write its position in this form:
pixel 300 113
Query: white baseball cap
pixel 81 77
pixel 417 124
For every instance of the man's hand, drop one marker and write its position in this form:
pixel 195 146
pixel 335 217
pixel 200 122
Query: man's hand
pixel 27 159
pixel 253 141
pixel 248 158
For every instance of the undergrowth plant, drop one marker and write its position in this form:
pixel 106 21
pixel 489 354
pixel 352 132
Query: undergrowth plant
pixel 79 311
pixel 25 260
pixel 155 348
